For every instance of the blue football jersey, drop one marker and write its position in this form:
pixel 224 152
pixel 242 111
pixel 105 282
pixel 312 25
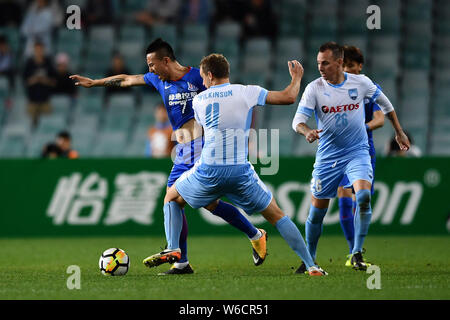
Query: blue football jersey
pixel 370 107
pixel 178 95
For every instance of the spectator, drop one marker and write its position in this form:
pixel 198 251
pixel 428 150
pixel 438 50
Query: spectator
pixel 39 81
pixel 51 151
pixel 64 142
pixel 227 10
pixel 98 12
pixel 6 61
pixel 64 85
pixel 38 24
pixel 259 20
pixel 117 67
pixel 160 142
pixel 195 11
pixel 159 11
pixel 393 150
pixel 11 12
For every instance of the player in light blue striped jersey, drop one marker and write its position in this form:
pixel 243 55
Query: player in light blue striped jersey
pixel 337 100
pixel 224 111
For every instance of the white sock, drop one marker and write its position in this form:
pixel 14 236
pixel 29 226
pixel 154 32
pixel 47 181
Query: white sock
pixel 180 265
pixel 257 235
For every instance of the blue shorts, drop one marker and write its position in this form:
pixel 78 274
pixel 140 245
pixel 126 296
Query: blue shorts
pixel 327 176
pixel 203 184
pixel 186 156
pixel 346 184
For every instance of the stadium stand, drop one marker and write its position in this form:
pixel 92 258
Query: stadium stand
pixel 408 57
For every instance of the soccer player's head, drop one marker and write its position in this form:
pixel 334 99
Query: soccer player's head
pixel 159 55
pixel 353 59
pixel 330 60
pixel 214 67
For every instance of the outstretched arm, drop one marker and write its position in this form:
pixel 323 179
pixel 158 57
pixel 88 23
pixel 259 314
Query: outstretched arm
pixel 377 121
pixel 290 93
pixel 120 80
pixel 400 136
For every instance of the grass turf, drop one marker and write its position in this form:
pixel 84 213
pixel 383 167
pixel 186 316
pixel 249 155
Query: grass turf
pixel 411 268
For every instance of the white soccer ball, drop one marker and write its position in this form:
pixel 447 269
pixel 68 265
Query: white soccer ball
pixel 114 262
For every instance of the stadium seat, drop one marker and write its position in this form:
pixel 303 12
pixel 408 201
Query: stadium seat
pixel 13 141
pixel 51 124
pixel 119 114
pixel 228 31
pixel 133 54
pixel 61 104
pixel 150 101
pixel 89 104
pixel 288 48
pixel 4 87
pixel 229 48
pixel 137 145
pixel 192 52
pixel 110 144
pixel 130 33
pixel 167 32
pixel 193 32
pixel 256 47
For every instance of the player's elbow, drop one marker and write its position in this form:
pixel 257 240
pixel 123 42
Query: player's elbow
pixel 290 99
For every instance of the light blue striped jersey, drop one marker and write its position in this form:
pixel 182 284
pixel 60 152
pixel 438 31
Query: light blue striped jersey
pixel 339 111
pixel 225 112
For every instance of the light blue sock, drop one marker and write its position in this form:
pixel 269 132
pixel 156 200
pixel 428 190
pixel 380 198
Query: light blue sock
pixel 293 237
pixel 363 214
pixel 313 228
pixel 173 223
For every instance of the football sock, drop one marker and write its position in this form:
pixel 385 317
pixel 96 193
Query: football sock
pixel 363 215
pixel 257 235
pixel 183 239
pixel 180 265
pixel 346 218
pixel 233 216
pixel 173 222
pixel 293 237
pixel 313 228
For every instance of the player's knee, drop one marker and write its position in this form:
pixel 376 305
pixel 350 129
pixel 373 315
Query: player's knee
pixel 363 199
pixel 316 215
pixel 212 206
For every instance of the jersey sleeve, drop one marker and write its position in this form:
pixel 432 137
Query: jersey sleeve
pixel 149 79
pixel 194 104
pixel 372 90
pixel 305 107
pixel 307 103
pixel 255 96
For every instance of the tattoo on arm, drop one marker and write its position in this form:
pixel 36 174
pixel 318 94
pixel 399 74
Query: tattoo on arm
pixel 115 82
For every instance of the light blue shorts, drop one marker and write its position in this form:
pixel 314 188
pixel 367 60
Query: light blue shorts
pixel 203 184
pixel 327 176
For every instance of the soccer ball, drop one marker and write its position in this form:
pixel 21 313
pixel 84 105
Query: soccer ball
pixel 114 262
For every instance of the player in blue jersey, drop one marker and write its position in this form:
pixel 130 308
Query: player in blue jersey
pixel 374 119
pixel 337 100
pixel 225 110
pixel 178 85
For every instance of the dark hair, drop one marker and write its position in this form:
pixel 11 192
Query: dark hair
pixel 49 149
pixel 162 49
pixel 64 134
pixel 217 64
pixel 336 49
pixel 352 53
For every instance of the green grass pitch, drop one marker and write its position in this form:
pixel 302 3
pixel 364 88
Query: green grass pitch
pixel 411 268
